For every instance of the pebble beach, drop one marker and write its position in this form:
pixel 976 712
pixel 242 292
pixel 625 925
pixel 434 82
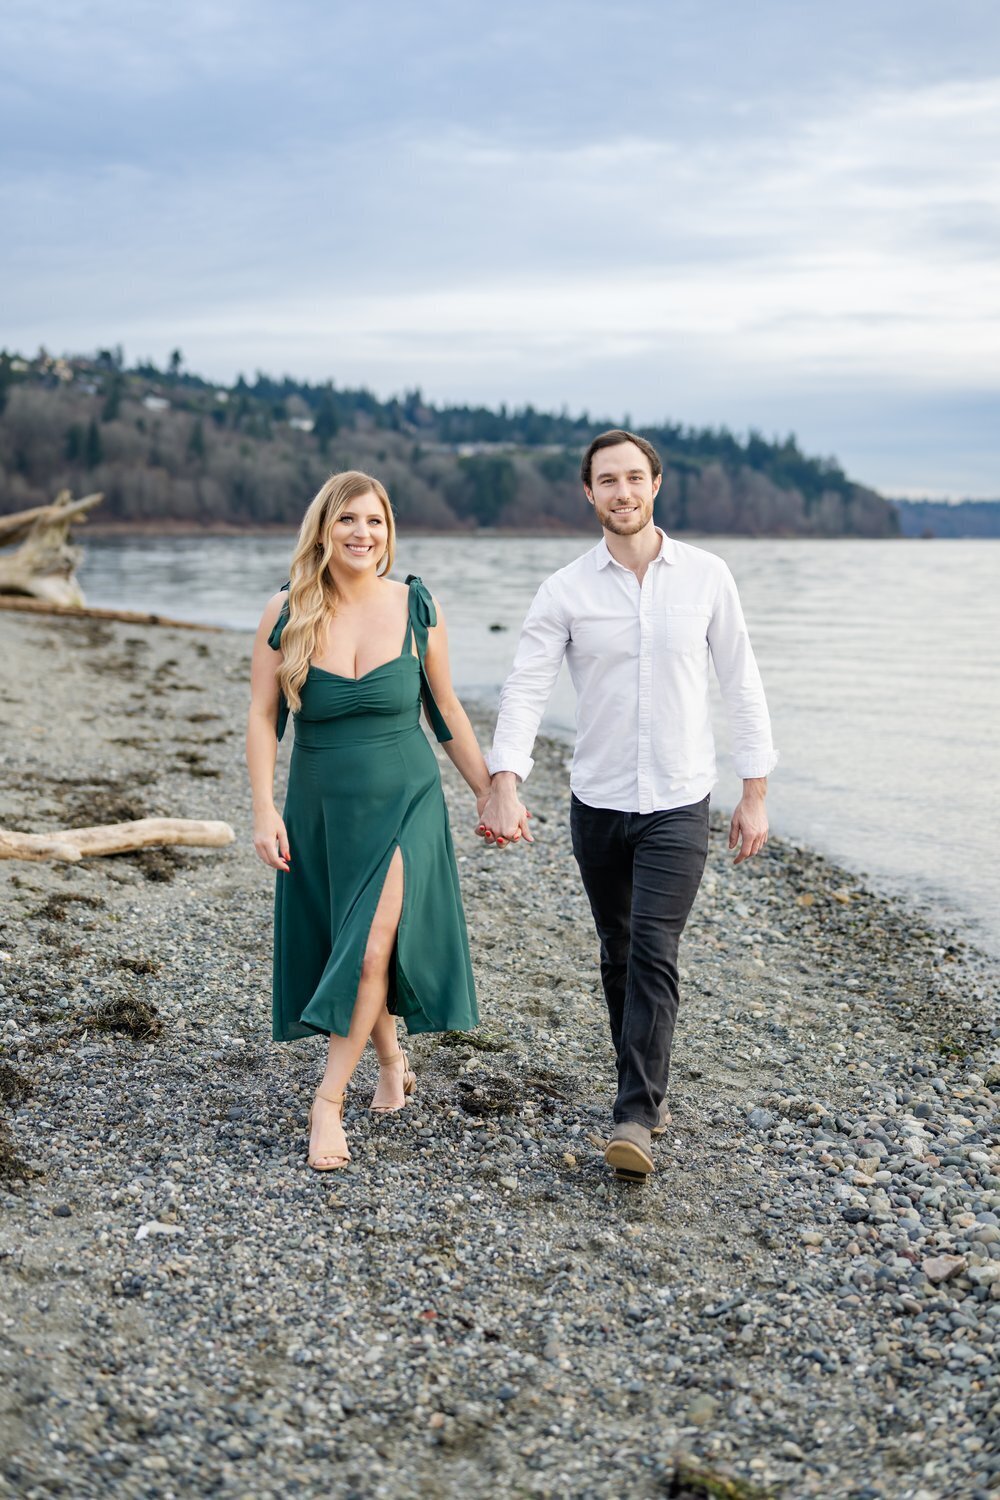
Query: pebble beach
pixel 802 1300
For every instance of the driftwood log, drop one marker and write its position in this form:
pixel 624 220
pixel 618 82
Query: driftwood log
pixel 130 616
pixel 44 565
pixel 71 844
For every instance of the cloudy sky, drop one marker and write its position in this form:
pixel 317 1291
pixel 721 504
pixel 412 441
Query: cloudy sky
pixel 782 215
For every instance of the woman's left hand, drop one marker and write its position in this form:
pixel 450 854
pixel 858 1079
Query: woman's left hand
pixel 497 813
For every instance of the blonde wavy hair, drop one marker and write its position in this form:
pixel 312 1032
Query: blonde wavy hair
pixel 312 594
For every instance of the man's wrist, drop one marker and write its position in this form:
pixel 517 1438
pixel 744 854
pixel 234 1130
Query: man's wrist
pixel 754 788
pixel 505 781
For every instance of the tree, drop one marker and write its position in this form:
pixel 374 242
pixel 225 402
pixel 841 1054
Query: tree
pixel 94 452
pixel 75 444
pixel 326 423
pixel 113 400
pixel 489 484
pixel 176 360
pixel 196 442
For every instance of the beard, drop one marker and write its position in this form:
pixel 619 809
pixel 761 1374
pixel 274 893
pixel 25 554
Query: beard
pixel 627 525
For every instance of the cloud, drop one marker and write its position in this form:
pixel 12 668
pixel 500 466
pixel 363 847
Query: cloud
pixel 456 212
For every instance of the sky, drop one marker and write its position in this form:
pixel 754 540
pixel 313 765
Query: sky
pixel 778 216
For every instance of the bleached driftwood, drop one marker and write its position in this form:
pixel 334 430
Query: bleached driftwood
pixel 71 844
pixel 129 616
pixel 44 565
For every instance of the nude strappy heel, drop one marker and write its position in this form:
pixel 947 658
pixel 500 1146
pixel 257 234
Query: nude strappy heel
pixel 327 1161
pixel 409 1084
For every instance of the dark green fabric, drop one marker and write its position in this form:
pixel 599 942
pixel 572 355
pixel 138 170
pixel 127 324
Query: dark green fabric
pixel 362 782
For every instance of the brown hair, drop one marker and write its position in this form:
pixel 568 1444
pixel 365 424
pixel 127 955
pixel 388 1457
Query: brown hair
pixel 611 440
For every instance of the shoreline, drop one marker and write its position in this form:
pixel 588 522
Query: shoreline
pixel 806 1280
pixel 183 529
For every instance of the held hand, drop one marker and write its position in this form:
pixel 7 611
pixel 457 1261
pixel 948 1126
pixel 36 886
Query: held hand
pixel 270 840
pixel 503 818
pixel 748 828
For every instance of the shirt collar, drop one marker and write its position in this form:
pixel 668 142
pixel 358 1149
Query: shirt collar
pixel 666 554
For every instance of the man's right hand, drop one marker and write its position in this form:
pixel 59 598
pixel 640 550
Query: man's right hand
pixel 503 818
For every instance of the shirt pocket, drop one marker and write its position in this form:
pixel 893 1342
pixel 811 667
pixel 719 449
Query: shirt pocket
pixel 684 631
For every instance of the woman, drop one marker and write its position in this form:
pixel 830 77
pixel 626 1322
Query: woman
pixel 368 913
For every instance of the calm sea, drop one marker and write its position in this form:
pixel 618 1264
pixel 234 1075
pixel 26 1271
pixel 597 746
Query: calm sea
pixel 881 662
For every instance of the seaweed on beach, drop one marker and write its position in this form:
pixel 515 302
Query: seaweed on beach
pixel 481 1040
pixel 138 965
pixel 105 805
pixel 195 763
pixel 14 1087
pixel 138 1019
pixel 11 1164
pixel 56 907
pixel 488 1096
pixel 243 1059
pixel 157 863
pixel 690 1481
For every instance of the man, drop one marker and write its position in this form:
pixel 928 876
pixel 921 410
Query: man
pixel 637 619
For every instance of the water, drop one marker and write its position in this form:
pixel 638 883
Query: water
pixel 881 662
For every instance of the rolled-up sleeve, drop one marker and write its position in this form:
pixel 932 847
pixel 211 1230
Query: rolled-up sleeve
pixel 742 690
pixel 540 652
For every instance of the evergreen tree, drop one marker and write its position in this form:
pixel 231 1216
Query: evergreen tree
pixel 75 444
pixel 94 451
pixel 113 400
pixel 196 442
pixel 489 484
pixel 326 424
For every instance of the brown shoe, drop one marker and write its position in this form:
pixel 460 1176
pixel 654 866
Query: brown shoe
pixel 628 1151
pixel 664 1119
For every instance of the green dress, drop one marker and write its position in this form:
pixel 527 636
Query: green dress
pixel 362 782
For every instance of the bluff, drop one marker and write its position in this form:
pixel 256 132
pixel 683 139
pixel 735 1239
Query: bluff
pixel 166 446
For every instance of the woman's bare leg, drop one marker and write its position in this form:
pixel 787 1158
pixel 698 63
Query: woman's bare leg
pixel 385 1039
pixel 389 1093
pixel 389 1090
pixel 327 1138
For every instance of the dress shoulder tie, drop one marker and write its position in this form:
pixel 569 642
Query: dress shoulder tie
pixel 274 641
pixel 422 617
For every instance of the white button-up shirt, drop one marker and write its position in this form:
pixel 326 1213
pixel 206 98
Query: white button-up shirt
pixel 638 657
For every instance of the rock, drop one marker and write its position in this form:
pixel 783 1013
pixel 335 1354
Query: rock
pixel 760 1119
pixel 156 1226
pixel 702 1410
pixel 938 1268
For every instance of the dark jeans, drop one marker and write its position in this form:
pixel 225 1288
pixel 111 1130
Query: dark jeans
pixel 641 872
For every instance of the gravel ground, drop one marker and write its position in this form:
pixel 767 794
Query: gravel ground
pixel 803 1300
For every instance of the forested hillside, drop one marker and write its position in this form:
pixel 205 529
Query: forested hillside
pixel 931 518
pixel 167 446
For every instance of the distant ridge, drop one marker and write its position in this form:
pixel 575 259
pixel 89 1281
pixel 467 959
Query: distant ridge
pixel 931 518
pixel 166 446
